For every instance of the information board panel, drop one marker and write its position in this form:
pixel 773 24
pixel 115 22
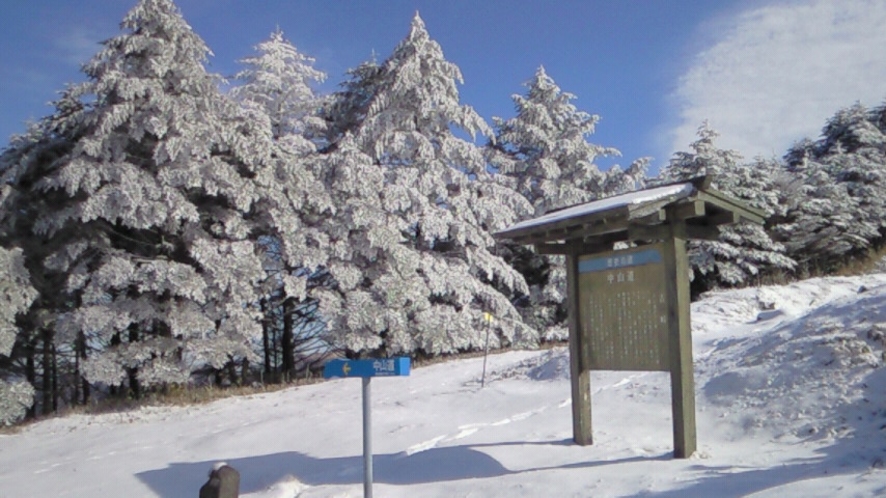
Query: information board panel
pixel 624 314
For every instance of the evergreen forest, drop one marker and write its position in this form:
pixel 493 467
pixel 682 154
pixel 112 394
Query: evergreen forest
pixel 162 229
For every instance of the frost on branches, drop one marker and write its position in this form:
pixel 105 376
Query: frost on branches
pixel 146 246
pixel 411 244
pixel 277 82
pixel 837 208
pixel 15 399
pixel 543 154
pixel 276 88
pixel 20 321
pixel 277 96
pixel 344 113
pixel 16 295
pixel 743 250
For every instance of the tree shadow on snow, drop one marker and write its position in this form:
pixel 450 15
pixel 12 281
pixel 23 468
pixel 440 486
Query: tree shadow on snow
pixel 434 465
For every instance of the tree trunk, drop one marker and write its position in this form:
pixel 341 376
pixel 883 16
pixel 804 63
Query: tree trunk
pixel 244 371
pixel 287 345
pixel 55 389
pixel 265 336
pixel 132 372
pixel 114 391
pixel 75 399
pixel 31 370
pixel 46 370
pixel 135 389
pixel 232 372
pixel 86 390
pixel 275 367
pixel 79 379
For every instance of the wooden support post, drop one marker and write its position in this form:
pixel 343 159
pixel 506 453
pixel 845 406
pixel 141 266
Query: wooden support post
pixel 580 374
pixel 680 341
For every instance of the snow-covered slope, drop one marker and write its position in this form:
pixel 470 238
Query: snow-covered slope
pixel 791 394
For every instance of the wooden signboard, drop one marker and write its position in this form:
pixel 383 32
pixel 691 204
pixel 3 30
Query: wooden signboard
pixel 629 309
pixel 624 309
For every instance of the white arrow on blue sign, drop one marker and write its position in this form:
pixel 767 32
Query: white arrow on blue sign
pixel 381 367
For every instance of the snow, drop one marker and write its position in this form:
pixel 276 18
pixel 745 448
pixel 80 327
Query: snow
pixel 789 385
pixel 633 198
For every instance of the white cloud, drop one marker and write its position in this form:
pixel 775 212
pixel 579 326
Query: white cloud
pixel 773 75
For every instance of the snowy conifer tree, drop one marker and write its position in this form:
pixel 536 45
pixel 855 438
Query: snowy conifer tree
pixel 417 274
pixel 819 226
pixel 543 153
pixel 144 218
pixel 277 88
pixel 544 148
pixel 848 131
pixel 878 117
pixel 743 250
pixel 16 290
pixel 278 82
pixel 837 208
pixel 854 150
pixel 27 158
pixel 16 294
pixel 16 396
pixel 346 110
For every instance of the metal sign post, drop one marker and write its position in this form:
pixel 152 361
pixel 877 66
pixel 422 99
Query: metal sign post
pixel 366 370
pixel 367 438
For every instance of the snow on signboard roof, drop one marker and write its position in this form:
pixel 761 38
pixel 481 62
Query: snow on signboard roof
pixel 677 191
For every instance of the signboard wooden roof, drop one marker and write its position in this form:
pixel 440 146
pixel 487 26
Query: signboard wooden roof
pixel 632 217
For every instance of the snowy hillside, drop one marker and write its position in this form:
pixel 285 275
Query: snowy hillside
pixel 791 393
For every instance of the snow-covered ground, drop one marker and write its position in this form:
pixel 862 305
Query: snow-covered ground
pixel 791 394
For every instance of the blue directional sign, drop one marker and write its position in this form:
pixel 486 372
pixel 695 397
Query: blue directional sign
pixel 381 367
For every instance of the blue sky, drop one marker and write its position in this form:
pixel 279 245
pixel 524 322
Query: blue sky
pixel 764 73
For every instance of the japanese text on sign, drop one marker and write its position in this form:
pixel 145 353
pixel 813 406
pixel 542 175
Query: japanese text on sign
pixel 624 309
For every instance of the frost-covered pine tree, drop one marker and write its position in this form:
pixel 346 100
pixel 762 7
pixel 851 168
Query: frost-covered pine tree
pixel 849 130
pixel 837 208
pixel 344 112
pixel 878 117
pixel 17 292
pixel 28 158
pixel 544 149
pixel 278 80
pixel 744 250
pixel 147 219
pixel 818 227
pixel 277 88
pixel 418 273
pixel 854 150
pixel 16 296
pixel 543 153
